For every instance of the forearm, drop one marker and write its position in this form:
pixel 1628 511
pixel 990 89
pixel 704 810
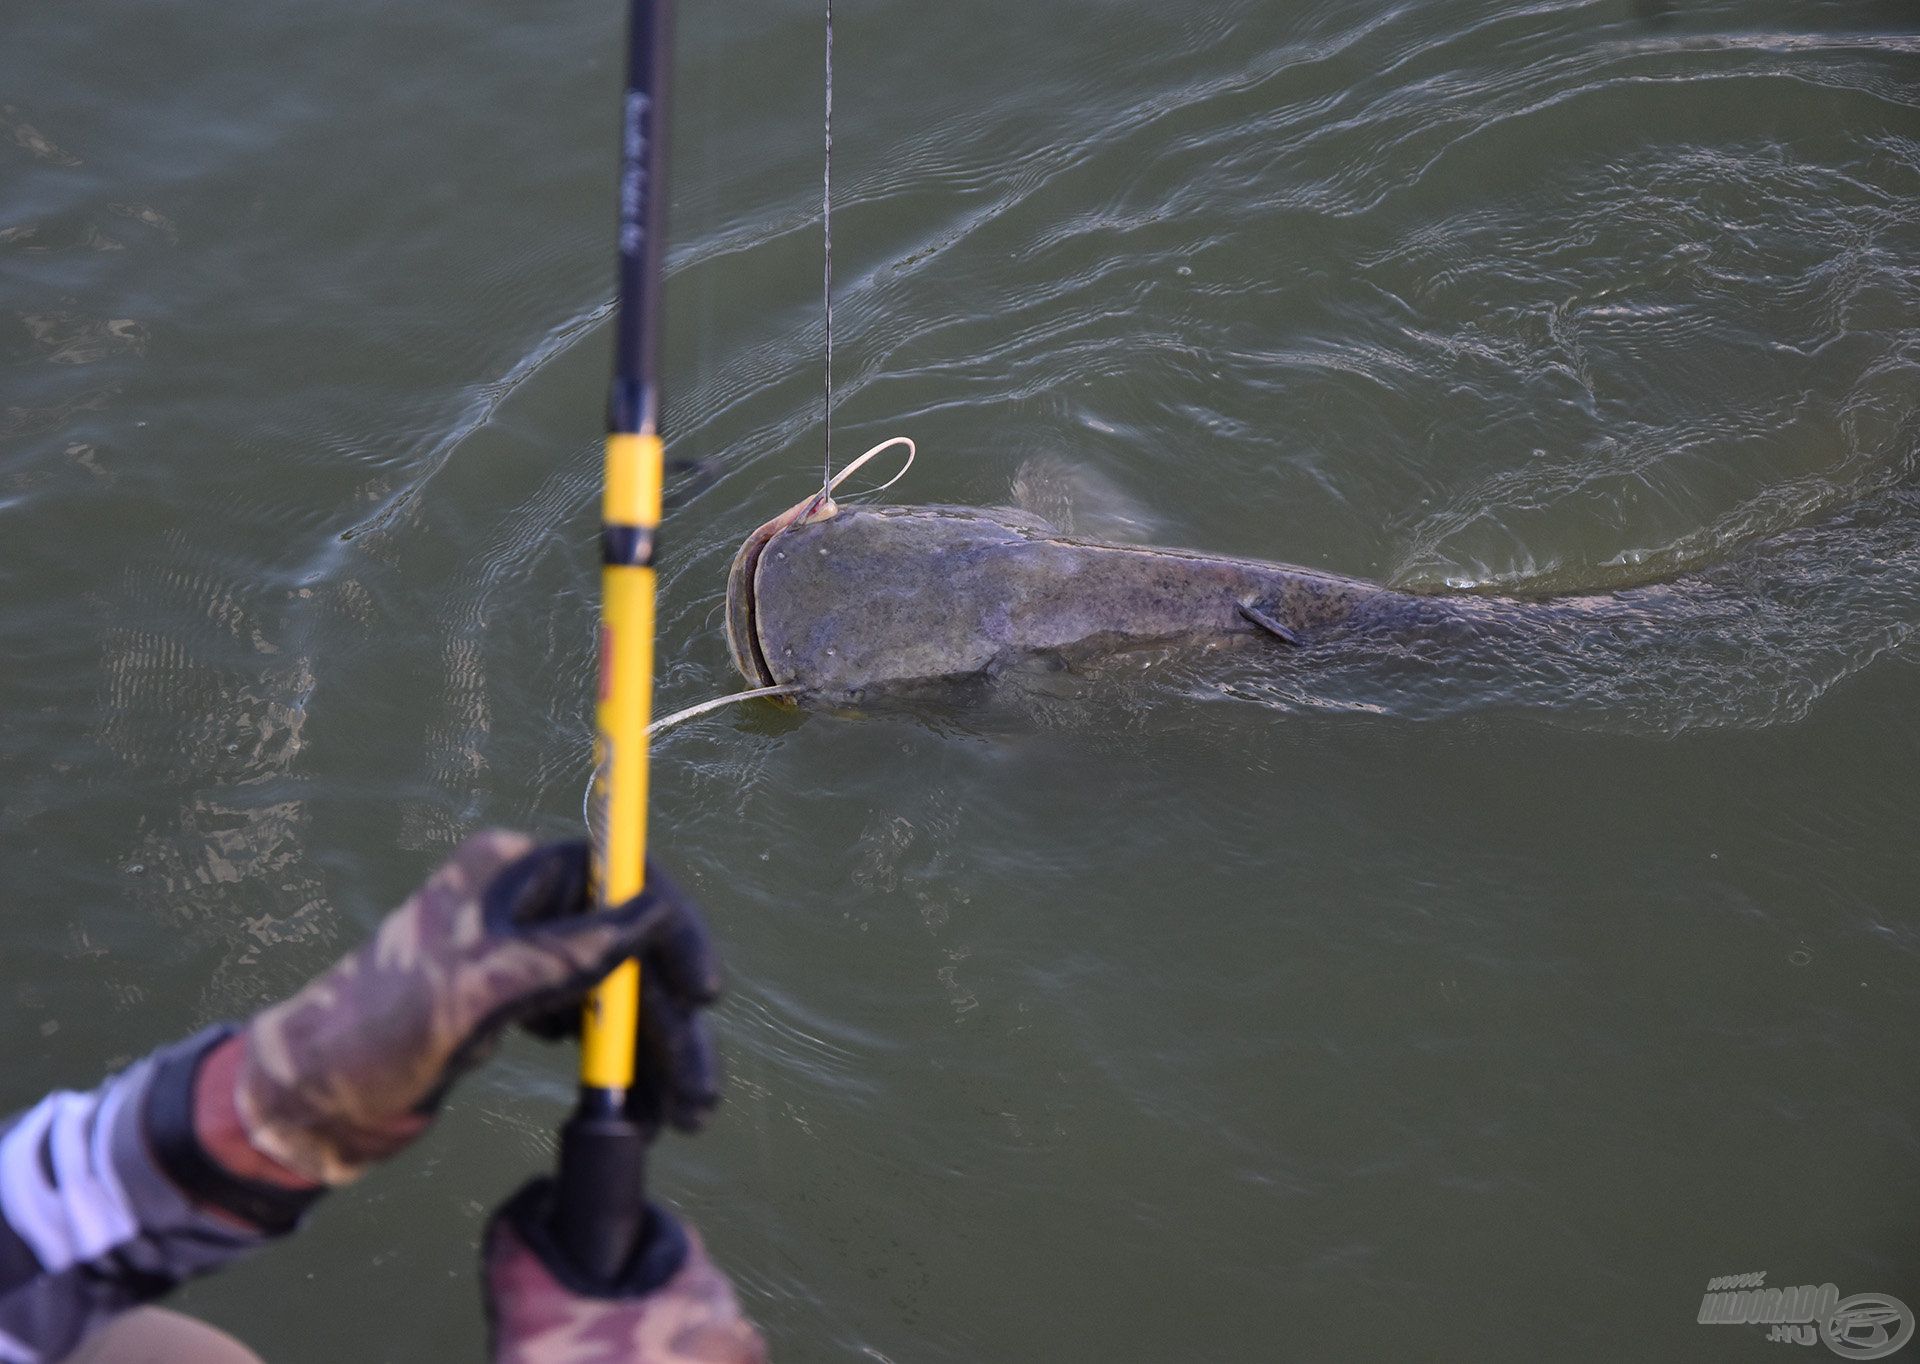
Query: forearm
pixel 110 1198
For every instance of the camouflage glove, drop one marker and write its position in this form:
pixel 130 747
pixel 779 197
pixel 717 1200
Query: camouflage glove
pixel 349 1070
pixel 540 1314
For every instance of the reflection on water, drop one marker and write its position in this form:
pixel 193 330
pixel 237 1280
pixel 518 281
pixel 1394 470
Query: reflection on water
pixel 1111 1007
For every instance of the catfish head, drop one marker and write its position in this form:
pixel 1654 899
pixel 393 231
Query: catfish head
pixel 743 639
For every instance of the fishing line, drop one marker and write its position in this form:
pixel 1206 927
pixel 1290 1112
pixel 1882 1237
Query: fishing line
pixel 828 479
pixel 826 284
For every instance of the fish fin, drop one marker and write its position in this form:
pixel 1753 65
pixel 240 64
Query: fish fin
pixel 1271 626
pixel 1079 501
pixel 1019 518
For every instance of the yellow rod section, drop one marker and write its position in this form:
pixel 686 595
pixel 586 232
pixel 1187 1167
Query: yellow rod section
pixel 624 707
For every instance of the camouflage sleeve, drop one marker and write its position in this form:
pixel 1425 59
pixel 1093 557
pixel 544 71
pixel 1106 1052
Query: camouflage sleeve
pixel 349 1069
pixel 104 1204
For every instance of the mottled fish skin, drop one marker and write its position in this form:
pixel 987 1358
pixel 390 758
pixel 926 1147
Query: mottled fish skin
pixel 878 597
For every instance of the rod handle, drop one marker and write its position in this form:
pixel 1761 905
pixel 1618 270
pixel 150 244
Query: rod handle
pixel 600 1198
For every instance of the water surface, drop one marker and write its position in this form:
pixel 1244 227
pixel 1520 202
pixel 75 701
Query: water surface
pixel 1392 1008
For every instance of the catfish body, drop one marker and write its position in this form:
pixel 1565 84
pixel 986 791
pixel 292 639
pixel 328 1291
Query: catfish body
pixel 843 601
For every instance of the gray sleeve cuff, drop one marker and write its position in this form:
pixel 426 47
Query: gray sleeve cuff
pixel 167 1116
pixel 91 1222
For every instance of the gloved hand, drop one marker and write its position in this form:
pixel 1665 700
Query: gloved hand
pixel 671 1305
pixel 350 1069
pixel 540 1313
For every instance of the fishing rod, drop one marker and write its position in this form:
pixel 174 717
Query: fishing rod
pixel 600 1198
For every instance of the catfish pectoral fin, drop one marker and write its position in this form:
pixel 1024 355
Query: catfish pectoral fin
pixel 1273 627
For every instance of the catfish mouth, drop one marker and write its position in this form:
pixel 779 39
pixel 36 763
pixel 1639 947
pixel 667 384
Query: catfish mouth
pixel 743 625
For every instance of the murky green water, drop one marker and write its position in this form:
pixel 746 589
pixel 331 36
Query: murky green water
pixel 1426 1009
